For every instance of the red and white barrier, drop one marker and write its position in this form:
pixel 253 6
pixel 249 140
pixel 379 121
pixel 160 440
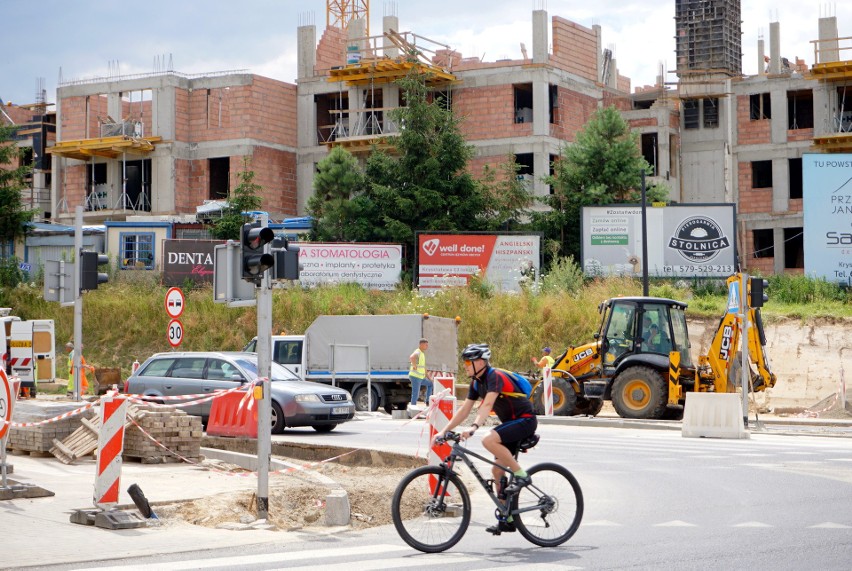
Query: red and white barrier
pixel 110 447
pixel 548 392
pixel 445 382
pixel 438 421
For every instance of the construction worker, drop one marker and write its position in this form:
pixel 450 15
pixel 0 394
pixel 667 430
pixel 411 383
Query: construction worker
pixel 546 361
pixel 84 382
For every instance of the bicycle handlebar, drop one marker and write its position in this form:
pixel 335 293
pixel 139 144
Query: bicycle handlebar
pixel 449 437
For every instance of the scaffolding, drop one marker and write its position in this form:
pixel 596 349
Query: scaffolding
pixel 708 37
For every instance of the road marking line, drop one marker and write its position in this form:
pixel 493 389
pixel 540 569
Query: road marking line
pixel 829 525
pixel 675 523
pixel 753 524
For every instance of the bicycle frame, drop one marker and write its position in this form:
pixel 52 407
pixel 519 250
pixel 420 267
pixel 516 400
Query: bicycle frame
pixel 460 452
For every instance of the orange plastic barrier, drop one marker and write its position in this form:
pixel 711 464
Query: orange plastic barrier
pixel 233 414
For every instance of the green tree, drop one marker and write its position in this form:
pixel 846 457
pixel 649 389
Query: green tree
pixel 603 166
pixel 508 197
pixel 14 216
pixel 340 210
pixel 244 198
pixel 424 185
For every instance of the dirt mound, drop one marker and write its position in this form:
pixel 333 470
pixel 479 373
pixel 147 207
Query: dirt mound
pixel 295 500
pixel 830 408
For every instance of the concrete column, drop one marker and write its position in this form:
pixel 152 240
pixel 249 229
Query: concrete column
pixel 539 39
pixel 599 49
pixel 389 48
pixel 306 50
pixel 780 250
pixel 780 185
pixel 613 74
pixel 390 98
pixel 356 101
pixel 778 122
pixel 774 47
pixel 828 45
pixel 541 166
pixel 541 108
pixel 761 55
pixel 306 114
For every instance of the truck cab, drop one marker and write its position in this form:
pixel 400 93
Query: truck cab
pixel 286 350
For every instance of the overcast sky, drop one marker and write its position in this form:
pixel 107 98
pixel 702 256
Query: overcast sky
pixel 96 38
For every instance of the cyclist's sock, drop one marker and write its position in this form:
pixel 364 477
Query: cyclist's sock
pixel 520 473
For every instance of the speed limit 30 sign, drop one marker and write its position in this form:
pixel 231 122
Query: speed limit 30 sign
pixel 175 332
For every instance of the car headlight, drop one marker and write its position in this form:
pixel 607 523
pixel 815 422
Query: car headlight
pixel 308 398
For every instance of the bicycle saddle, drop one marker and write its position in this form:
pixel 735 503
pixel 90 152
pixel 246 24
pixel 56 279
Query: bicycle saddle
pixel 529 442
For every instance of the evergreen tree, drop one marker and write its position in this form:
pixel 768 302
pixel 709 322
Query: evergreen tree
pixel 244 198
pixel 13 215
pixel 603 166
pixel 341 212
pixel 508 197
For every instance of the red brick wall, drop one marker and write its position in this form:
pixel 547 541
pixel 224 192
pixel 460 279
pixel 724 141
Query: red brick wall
pixel 572 113
pixel 647 122
pixel 765 266
pixel 794 205
pixel 488 113
pixel 574 48
pixel 74 186
pixel 272 111
pixel 331 50
pixel 752 200
pixel 275 171
pixel 182 115
pixel 750 132
pixel 800 134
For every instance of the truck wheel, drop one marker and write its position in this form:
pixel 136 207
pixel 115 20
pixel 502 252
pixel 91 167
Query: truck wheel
pixel 640 392
pixel 590 407
pixel 564 398
pixel 361 401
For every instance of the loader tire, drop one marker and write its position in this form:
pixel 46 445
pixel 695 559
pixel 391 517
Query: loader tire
pixel 641 393
pixel 564 398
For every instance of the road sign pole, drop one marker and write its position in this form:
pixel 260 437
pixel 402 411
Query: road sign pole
pixel 78 303
pixel 264 370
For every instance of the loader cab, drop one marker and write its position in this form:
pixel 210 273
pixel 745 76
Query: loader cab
pixel 643 325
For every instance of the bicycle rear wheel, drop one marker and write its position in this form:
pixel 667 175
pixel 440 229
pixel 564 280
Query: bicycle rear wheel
pixel 554 502
pixel 431 509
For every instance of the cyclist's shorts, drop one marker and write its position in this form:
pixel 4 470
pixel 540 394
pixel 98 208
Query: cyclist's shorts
pixel 513 432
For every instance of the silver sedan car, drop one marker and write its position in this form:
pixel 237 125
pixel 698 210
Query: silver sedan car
pixel 294 402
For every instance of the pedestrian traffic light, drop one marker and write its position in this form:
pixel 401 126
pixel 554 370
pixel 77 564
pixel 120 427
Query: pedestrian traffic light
pixel 90 278
pixel 253 238
pixel 757 292
pixel 287 266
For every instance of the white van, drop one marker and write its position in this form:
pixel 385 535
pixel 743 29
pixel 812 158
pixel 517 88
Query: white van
pixel 32 352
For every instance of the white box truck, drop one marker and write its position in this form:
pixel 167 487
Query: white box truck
pixel 346 350
pixel 28 349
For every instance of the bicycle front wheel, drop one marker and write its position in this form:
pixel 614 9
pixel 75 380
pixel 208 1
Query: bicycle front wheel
pixel 431 509
pixel 549 510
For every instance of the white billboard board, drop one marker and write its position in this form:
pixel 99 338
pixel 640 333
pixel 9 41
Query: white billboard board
pixel 827 205
pixel 684 240
pixel 374 266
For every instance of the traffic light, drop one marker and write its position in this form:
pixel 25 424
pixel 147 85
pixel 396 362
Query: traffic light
pixel 90 278
pixel 287 265
pixel 253 238
pixel 757 292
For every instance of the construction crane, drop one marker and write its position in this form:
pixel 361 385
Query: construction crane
pixel 339 13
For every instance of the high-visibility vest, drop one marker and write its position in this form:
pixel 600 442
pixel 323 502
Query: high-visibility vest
pixel 548 360
pixel 419 372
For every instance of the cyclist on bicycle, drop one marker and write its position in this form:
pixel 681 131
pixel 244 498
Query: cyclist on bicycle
pixel 514 410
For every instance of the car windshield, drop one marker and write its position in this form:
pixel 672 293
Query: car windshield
pixel 278 372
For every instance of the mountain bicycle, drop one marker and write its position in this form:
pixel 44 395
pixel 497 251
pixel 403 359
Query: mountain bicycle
pixel 431 505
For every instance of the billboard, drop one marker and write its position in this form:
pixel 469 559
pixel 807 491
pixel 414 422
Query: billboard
pixel 684 240
pixel 501 259
pixel 827 204
pixel 374 266
pixel 188 260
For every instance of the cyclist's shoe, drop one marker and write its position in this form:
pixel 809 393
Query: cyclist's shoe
pixel 518 483
pixel 500 527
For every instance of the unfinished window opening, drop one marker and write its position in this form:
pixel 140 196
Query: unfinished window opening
pixel 794 248
pixel 96 174
pixel 137 186
pixel 759 106
pixel 553 94
pixel 523 93
pixel 332 116
pixel 800 109
pixel 843 118
pixel 649 151
pixel 711 112
pixel 673 154
pixel 372 121
pixel 552 169
pixel 526 169
pixel 761 174
pixel 690 113
pixel 219 169
pixel 764 243
pixel 795 171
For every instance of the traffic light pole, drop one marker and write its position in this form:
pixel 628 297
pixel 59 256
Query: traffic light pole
pixel 78 302
pixel 264 371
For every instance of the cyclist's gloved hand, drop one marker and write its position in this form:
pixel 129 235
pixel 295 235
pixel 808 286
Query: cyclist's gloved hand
pixel 438 435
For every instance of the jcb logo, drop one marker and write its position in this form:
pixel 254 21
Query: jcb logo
pixel 727 333
pixel 582 355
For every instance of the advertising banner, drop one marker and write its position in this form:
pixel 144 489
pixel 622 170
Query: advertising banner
pixel 827 204
pixel 501 259
pixel 188 260
pixel 683 240
pixel 374 266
